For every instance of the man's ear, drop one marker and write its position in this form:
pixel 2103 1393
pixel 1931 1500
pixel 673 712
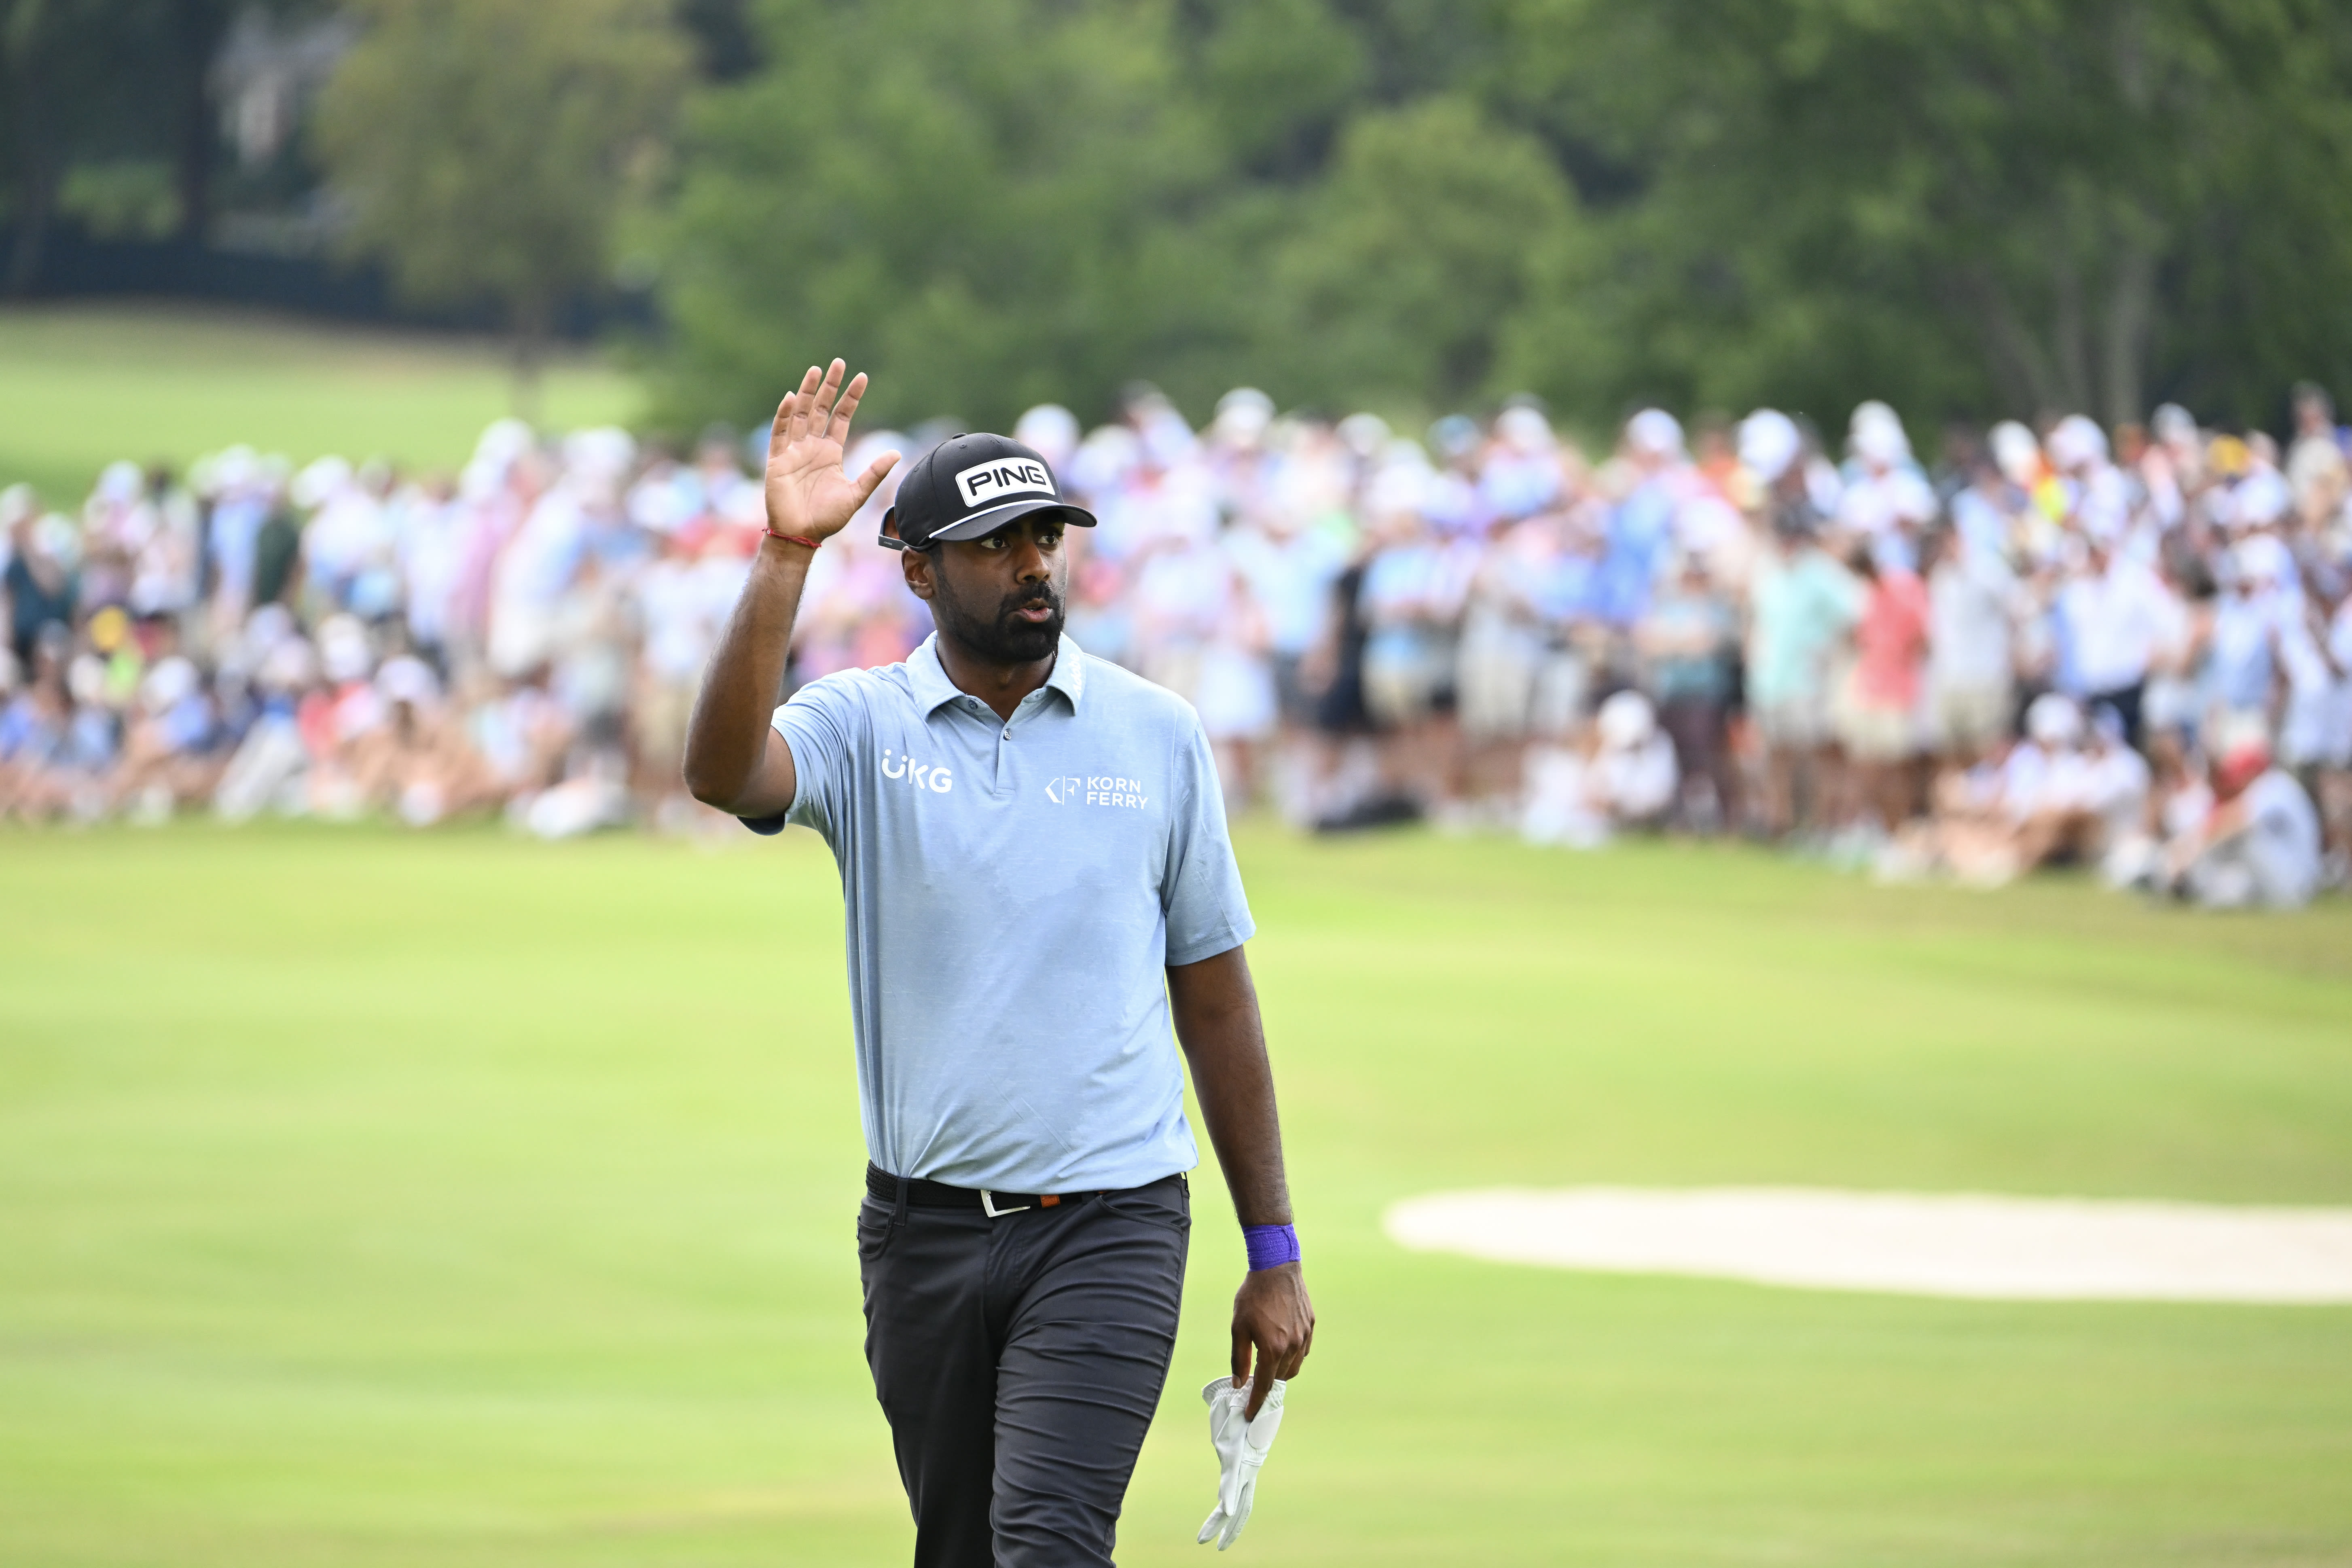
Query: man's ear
pixel 916 565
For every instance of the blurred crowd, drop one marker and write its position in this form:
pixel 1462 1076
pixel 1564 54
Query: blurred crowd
pixel 2129 650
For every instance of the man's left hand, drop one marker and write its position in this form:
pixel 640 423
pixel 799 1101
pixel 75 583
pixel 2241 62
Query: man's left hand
pixel 1273 1316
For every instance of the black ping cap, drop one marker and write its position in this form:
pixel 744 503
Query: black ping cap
pixel 967 486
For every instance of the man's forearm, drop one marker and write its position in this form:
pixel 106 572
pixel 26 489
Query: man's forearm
pixel 728 736
pixel 1217 1022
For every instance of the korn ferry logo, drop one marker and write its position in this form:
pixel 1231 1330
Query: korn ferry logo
pixel 1006 477
pixel 918 775
pixel 1098 789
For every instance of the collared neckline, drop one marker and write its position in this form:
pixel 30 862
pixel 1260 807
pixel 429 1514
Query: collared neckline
pixel 928 678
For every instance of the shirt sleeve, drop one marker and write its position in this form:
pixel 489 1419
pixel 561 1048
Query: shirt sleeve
pixel 1201 893
pixel 821 725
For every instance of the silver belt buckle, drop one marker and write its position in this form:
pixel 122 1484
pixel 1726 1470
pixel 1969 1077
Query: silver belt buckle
pixel 988 1206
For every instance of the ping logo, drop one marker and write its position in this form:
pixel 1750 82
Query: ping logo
pixel 919 775
pixel 1006 477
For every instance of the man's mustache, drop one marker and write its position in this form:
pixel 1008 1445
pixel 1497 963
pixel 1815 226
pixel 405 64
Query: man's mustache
pixel 1016 603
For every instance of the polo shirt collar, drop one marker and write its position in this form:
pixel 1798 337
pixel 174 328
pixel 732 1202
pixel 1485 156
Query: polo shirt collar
pixel 927 681
pixel 927 677
pixel 1069 676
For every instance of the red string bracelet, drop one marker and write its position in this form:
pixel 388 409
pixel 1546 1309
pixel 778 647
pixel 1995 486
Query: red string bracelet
pixel 794 539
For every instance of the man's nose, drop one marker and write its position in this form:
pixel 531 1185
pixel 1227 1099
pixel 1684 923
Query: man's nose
pixel 1029 562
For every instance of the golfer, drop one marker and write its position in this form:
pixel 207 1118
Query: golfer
pixel 1037 881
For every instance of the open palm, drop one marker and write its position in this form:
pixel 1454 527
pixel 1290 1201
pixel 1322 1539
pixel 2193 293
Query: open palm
pixel 809 497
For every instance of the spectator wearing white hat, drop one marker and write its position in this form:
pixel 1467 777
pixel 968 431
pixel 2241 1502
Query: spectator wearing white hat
pixel 1633 765
pixel 2097 496
pixel 1886 499
pixel 2117 616
pixel 418 764
pixel 1640 534
pixel 1622 776
pixel 1522 476
pixel 1052 431
pixel 1770 448
pixel 2262 498
pixel 168 758
pixel 2255 612
pixel 269 768
pixel 1995 823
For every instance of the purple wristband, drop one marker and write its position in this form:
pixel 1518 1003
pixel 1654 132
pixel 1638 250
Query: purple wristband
pixel 1270 1245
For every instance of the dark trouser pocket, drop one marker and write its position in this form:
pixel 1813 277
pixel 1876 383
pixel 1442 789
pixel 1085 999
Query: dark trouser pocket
pixel 873 1229
pixel 1168 1202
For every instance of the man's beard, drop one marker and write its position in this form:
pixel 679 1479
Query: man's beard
pixel 1001 638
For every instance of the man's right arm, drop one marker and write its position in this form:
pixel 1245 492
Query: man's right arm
pixel 734 760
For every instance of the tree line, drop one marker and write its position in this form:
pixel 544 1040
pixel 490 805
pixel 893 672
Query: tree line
pixel 1967 207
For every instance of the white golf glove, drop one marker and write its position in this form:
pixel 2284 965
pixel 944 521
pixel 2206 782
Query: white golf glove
pixel 1241 1446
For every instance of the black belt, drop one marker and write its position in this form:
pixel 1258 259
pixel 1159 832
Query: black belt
pixel 924 1193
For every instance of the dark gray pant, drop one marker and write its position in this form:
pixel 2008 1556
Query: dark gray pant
pixel 1019 1360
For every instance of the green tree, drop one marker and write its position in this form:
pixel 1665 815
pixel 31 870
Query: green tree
pixel 107 115
pixel 1433 237
pixel 489 148
pixel 1966 206
pixel 992 202
pixel 988 202
pixel 78 84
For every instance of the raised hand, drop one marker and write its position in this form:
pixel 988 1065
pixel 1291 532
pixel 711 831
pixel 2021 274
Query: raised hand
pixel 809 497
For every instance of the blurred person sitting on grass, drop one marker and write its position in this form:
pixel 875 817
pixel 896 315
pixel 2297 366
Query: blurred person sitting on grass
pixel 418 764
pixel 333 717
pixel 64 735
pixel 170 755
pixel 2258 847
pixel 1619 777
pixel 2011 812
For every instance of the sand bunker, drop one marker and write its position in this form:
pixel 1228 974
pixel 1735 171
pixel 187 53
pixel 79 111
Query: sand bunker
pixel 1916 1244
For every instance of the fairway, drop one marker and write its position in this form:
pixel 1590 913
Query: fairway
pixel 82 385
pixel 373 1199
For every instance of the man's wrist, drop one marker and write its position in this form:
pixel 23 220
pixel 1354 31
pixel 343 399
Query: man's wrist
pixel 1270 1245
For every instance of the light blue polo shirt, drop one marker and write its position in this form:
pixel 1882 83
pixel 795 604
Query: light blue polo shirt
pixel 1013 893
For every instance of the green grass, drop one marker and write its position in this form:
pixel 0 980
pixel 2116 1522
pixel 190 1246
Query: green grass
pixel 82 385
pixel 370 1199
